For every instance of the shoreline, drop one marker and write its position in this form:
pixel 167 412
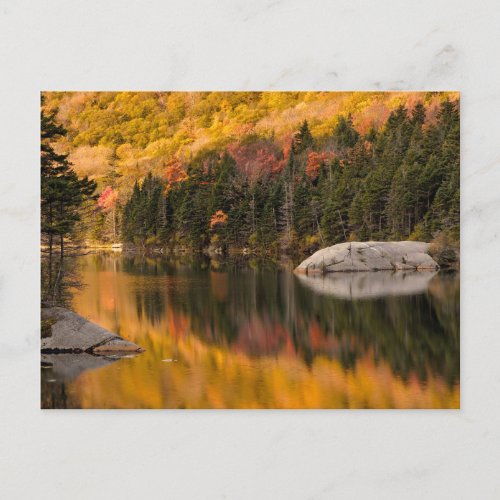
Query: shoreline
pixel 63 332
pixel 446 257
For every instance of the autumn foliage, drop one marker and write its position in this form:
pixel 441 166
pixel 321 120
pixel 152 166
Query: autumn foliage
pixel 315 161
pixel 284 168
pixel 175 173
pixel 219 218
pixel 107 199
pixel 257 158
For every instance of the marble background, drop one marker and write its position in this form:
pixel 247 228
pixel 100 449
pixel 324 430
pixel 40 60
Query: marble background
pixel 258 44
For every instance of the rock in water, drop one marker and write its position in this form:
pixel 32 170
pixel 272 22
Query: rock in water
pixel 70 332
pixel 369 256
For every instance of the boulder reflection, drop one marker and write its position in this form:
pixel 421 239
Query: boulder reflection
pixel 369 285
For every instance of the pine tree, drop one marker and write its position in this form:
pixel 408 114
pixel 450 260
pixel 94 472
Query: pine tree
pixel 145 213
pixel 444 212
pixel 404 206
pixel 345 135
pixel 303 219
pixel 63 196
pixel 401 181
pixel 302 140
pixel 62 192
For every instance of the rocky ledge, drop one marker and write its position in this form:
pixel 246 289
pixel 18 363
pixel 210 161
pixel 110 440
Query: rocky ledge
pixel 64 331
pixel 370 256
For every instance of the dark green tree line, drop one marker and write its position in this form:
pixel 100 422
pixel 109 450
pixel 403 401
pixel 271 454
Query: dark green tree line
pixel 399 182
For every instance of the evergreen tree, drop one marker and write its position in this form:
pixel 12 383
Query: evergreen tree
pixel 63 194
pixel 144 220
pixel 444 212
pixel 302 140
pixel 303 219
pixel 401 181
pixel 345 135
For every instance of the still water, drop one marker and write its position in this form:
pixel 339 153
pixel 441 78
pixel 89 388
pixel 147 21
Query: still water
pixel 254 335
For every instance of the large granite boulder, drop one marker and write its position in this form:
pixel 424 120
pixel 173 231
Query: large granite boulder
pixel 370 256
pixel 66 331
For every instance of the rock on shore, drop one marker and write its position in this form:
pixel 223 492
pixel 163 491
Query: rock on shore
pixel 68 332
pixel 369 256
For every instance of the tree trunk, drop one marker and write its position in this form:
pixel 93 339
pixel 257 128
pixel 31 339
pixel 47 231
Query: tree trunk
pixel 51 243
pixel 342 224
pixel 253 212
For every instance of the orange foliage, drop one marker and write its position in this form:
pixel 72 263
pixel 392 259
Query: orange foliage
pixel 315 161
pixel 256 158
pixel 373 116
pixel 219 218
pixel 175 173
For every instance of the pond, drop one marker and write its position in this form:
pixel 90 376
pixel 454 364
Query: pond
pixel 254 335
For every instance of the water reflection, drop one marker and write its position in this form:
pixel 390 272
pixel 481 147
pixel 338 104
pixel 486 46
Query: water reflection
pixel 58 370
pixel 366 285
pixel 60 278
pixel 257 336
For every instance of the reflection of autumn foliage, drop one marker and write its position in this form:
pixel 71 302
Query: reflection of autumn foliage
pixel 108 198
pixel 259 369
pixel 219 218
pixel 260 335
pixel 208 376
pixel 219 285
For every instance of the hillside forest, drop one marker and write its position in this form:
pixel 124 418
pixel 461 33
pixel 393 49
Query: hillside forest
pixel 266 173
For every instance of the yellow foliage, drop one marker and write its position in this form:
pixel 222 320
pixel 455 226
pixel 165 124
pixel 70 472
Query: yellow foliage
pixel 151 128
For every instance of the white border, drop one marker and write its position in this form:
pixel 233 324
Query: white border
pixel 235 44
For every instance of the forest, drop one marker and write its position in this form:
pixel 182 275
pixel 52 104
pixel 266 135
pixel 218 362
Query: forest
pixel 266 173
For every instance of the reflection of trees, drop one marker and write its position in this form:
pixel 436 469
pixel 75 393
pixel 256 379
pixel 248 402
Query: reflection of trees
pixel 54 393
pixel 415 333
pixel 150 303
pixel 60 276
pixel 266 310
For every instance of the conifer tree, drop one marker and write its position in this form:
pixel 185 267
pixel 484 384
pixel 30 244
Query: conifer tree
pixel 400 181
pixel 62 192
pixel 303 139
pixel 345 135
